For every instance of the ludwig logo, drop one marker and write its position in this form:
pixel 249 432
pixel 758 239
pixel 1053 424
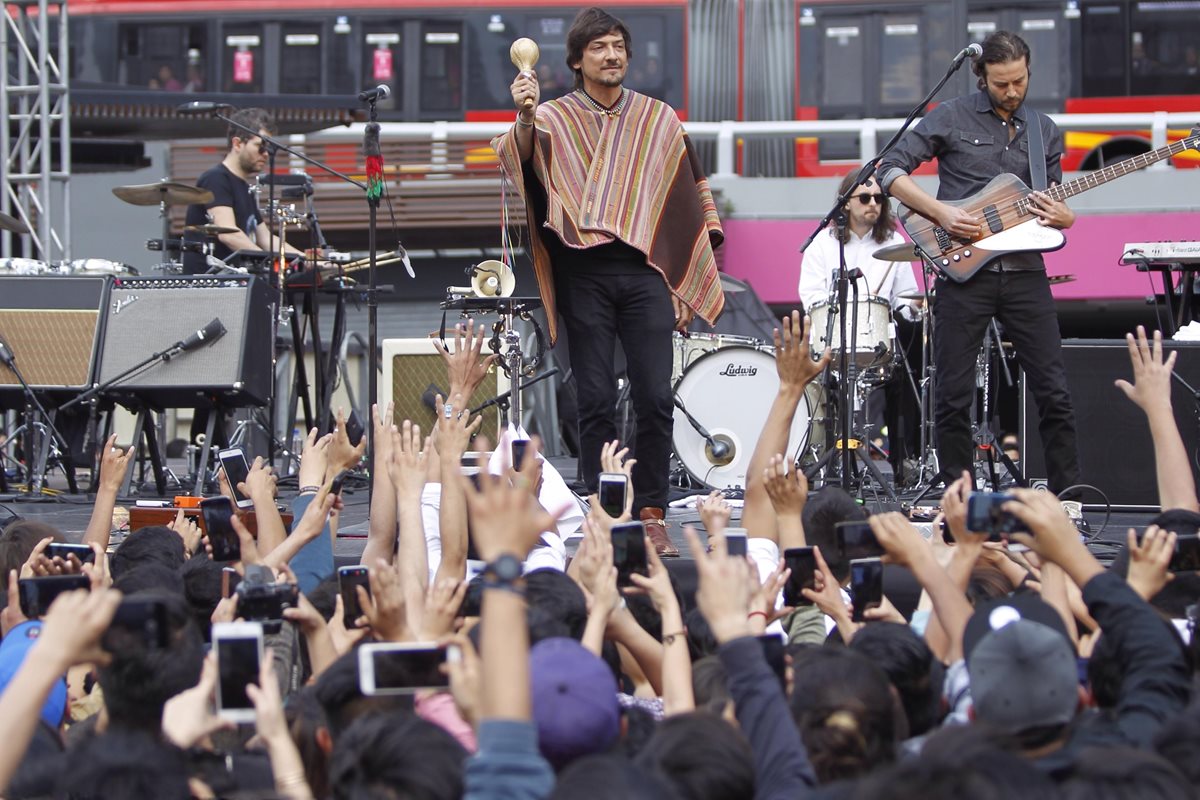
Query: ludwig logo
pixel 123 302
pixel 738 371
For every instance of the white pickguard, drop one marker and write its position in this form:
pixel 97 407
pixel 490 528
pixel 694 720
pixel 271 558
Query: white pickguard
pixel 1026 236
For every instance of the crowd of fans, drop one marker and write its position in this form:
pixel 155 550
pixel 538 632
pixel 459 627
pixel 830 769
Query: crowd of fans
pixel 1034 674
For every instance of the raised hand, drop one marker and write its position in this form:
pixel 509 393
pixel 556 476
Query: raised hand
pixel 260 483
pixel 454 428
pixel 1151 387
pixel 793 356
pixel 788 490
pixel 383 606
pixel 904 544
pixel 954 506
pixel 727 586
pixel 407 465
pixel 114 463
pixel 1148 561
pixel 525 88
pixel 441 609
pixel 466 366
pixel 188 531
pixel 343 454
pixel 715 513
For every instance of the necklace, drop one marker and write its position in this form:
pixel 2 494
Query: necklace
pixel 615 111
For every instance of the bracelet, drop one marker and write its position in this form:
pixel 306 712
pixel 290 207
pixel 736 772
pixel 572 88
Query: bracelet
pixel 522 122
pixel 309 489
pixel 754 614
pixel 669 639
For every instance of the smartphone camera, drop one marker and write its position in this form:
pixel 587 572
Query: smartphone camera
pixel 388 669
pixel 857 540
pixel 233 462
pixel 802 561
pixel 38 594
pixel 349 578
pixel 85 554
pixel 985 514
pixel 866 585
pixel 629 552
pixel 517 456
pixel 218 525
pixel 239 649
pixel 261 599
pixel 737 542
pixel 613 490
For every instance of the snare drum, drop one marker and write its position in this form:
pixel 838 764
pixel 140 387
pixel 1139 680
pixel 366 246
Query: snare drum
pixel 873 338
pixel 23 266
pixel 691 347
pixel 100 266
pixel 730 392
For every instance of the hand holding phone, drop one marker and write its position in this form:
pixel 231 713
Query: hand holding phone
pixel 856 540
pixel 239 649
pixel 388 668
pixel 986 514
pixel 802 561
pixel 866 586
pixel 218 523
pixel 519 447
pixel 37 594
pixel 613 493
pixel 349 578
pixel 82 552
pixel 234 464
pixel 737 542
pixel 629 551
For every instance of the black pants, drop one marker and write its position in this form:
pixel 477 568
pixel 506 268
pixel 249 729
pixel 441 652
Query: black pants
pixel 1022 302
pixel 597 310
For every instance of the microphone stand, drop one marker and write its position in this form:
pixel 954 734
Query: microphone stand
pixel 374 191
pixel 38 453
pixel 868 169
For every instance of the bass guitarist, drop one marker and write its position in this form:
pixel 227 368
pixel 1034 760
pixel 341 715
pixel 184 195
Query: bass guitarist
pixel 975 138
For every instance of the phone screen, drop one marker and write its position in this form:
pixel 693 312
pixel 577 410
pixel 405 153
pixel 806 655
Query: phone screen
pixel 233 461
pixel 348 579
pixel 986 515
pixel 613 487
pixel 629 551
pixel 237 661
pixel 1187 554
pixel 85 554
pixel 218 524
pixel 736 544
pixel 400 671
pixel 37 594
pixel 519 448
pixel 354 429
pixel 857 540
pixel 866 585
pixel 803 564
pixel 773 652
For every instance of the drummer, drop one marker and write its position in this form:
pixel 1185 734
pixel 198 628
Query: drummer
pixel 870 226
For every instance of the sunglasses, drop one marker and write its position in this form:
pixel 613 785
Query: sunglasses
pixel 866 199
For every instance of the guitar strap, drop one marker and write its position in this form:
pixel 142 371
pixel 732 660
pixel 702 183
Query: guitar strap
pixel 1037 152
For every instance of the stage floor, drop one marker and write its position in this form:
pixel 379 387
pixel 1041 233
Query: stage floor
pixel 70 513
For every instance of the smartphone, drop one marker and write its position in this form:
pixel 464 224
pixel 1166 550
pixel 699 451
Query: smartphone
pixel 336 486
pixel 773 652
pixel 614 489
pixel 866 585
pixel 266 602
pixel 737 541
pixel 230 578
pixel 354 428
pixel 472 604
pixel 389 668
pixel 802 561
pixel 519 448
pixel 218 524
pixel 629 551
pixel 348 579
pixel 986 515
pixel 1186 557
pixel 856 540
pixel 85 554
pixel 140 623
pixel 239 649
pixel 233 461
pixel 38 593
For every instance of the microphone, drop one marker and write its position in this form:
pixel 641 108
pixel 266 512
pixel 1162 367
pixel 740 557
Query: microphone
pixel 380 92
pixel 974 50
pixel 205 336
pixel 717 448
pixel 200 107
pixel 6 354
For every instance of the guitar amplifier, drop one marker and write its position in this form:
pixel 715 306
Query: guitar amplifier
pixel 413 372
pixel 53 327
pixel 145 316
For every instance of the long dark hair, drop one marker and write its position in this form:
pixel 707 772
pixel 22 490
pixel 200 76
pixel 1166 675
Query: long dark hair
pixel 885 226
pixel 999 48
pixel 592 23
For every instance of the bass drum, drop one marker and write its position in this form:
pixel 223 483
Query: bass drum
pixel 729 392
pixel 688 348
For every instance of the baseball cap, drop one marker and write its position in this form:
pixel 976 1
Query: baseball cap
pixel 575 705
pixel 1021 664
pixel 13 649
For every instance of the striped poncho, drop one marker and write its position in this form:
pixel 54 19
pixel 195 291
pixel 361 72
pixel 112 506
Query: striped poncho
pixel 632 176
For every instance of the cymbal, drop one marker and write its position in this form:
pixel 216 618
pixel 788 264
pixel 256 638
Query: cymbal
pixel 898 252
pixel 172 193
pixel 1057 279
pixel 209 230
pixel 10 223
pixel 914 295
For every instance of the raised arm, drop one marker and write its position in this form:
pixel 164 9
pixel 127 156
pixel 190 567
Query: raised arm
pixel 381 527
pixel 114 463
pixel 1151 391
pixel 453 437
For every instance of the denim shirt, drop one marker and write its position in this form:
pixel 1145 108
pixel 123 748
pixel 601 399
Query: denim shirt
pixel 972 145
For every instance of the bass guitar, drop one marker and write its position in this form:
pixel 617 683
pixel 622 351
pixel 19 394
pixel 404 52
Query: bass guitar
pixel 1002 209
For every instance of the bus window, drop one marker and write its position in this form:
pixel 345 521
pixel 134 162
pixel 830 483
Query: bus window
pixel 1043 31
pixel 1103 57
pixel 902 83
pixel 442 69
pixel 1164 47
pixel 555 78
pixel 300 63
pixel 383 59
pixel 242 58
pixel 842 55
pixel 154 56
pixel 646 73
pixel 340 75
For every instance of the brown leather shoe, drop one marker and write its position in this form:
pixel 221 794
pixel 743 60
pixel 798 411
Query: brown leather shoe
pixel 656 529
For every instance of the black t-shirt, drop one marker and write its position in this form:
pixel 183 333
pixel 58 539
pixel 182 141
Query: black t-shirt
pixel 228 190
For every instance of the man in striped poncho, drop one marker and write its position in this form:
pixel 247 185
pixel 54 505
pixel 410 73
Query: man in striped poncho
pixel 623 229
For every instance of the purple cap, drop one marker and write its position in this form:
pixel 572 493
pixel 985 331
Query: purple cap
pixel 575 703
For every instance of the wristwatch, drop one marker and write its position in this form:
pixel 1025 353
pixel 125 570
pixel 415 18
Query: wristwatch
pixel 503 573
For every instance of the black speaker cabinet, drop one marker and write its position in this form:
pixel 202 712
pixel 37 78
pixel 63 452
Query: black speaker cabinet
pixel 1115 451
pixel 147 315
pixel 52 324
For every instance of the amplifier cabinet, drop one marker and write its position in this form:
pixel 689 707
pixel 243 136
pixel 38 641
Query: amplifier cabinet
pixel 413 371
pixel 53 326
pixel 145 316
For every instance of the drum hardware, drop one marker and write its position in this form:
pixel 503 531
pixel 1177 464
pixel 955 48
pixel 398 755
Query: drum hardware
pixel 165 193
pixel 41 437
pixel 905 251
pixel 209 230
pixel 12 224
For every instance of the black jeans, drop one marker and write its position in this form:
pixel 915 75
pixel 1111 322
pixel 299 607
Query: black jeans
pixel 598 309
pixel 1022 302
